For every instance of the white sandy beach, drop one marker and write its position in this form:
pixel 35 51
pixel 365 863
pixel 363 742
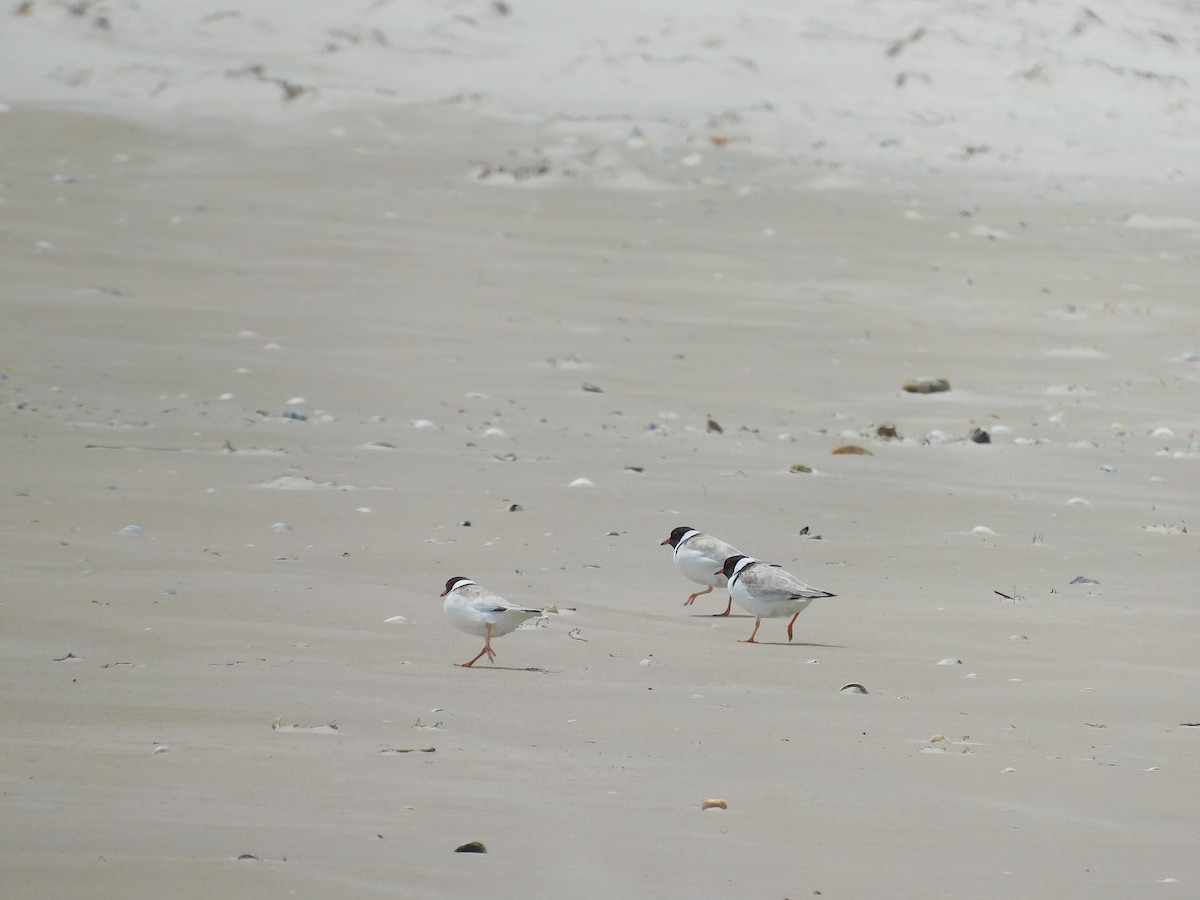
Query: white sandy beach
pixel 420 230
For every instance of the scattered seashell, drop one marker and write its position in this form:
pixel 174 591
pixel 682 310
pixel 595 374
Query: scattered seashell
pixel 714 804
pixel 853 688
pixel 131 529
pixel 162 748
pixel 1008 771
pixel 937 739
pixel 592 388
pixel 851 450
pixel 1078 501
pixel 1107 467
pixel 979 436
pixel 1018 637
pixel 582 482
pixel 472 847
pixel 281 526
pixel 495 432
pixel 981 529
pixel 926 385
pixel 1083 579
pixel 296 401
pixel 249 856
pixel 800 468
pixel 887 432
pixel 949 661
pixel 1162 432
pixel 396 620
pixel 423 424
pixel 516 507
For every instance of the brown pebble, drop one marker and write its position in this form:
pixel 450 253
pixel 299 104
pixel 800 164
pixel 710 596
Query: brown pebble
pixel 927 385
pixel 714 804
pixel 887 431
pixel 851 450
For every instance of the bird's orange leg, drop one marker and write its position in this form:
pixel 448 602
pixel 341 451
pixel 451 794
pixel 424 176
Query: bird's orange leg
pixel 692 599
pixel 487 648
pixel 790 624
pixel 728 607
pixel 751 640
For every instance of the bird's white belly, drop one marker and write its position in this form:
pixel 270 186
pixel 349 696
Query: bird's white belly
pixel 766 609
pixel 701 569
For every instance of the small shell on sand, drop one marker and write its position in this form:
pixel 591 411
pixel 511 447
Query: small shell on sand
pixel 582 482
pixel 131 529
pixel 926 385
pixel 853 688
pixel 949 661
pixel 1078 501
pixel 937 739
pixel 851 450
pixel 281 526
pixel 800 468
pixel 1008 771
pixel 982 529
pixel 714 804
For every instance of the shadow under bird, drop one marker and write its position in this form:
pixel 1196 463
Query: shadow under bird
pixel 474 609
pixel 768 591
pixel 698 556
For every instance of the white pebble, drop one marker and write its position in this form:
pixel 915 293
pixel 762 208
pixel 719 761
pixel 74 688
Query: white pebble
pixel 225 396
pixel 423 424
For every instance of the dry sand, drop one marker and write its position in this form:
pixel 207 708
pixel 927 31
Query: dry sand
pixel 430 284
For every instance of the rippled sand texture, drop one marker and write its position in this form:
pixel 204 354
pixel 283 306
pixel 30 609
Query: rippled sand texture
pixel 309 308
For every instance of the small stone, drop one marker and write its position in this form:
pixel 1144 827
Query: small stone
pixel 926 385
pixel 713 427
pixel 295 415
pixel 714 804
pixel 800 468
pixel 887 432
pixel 472 847
pixel 1083 579
pixel 979 436
pixel 516 507
pixel 851 450
pixel 592 388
